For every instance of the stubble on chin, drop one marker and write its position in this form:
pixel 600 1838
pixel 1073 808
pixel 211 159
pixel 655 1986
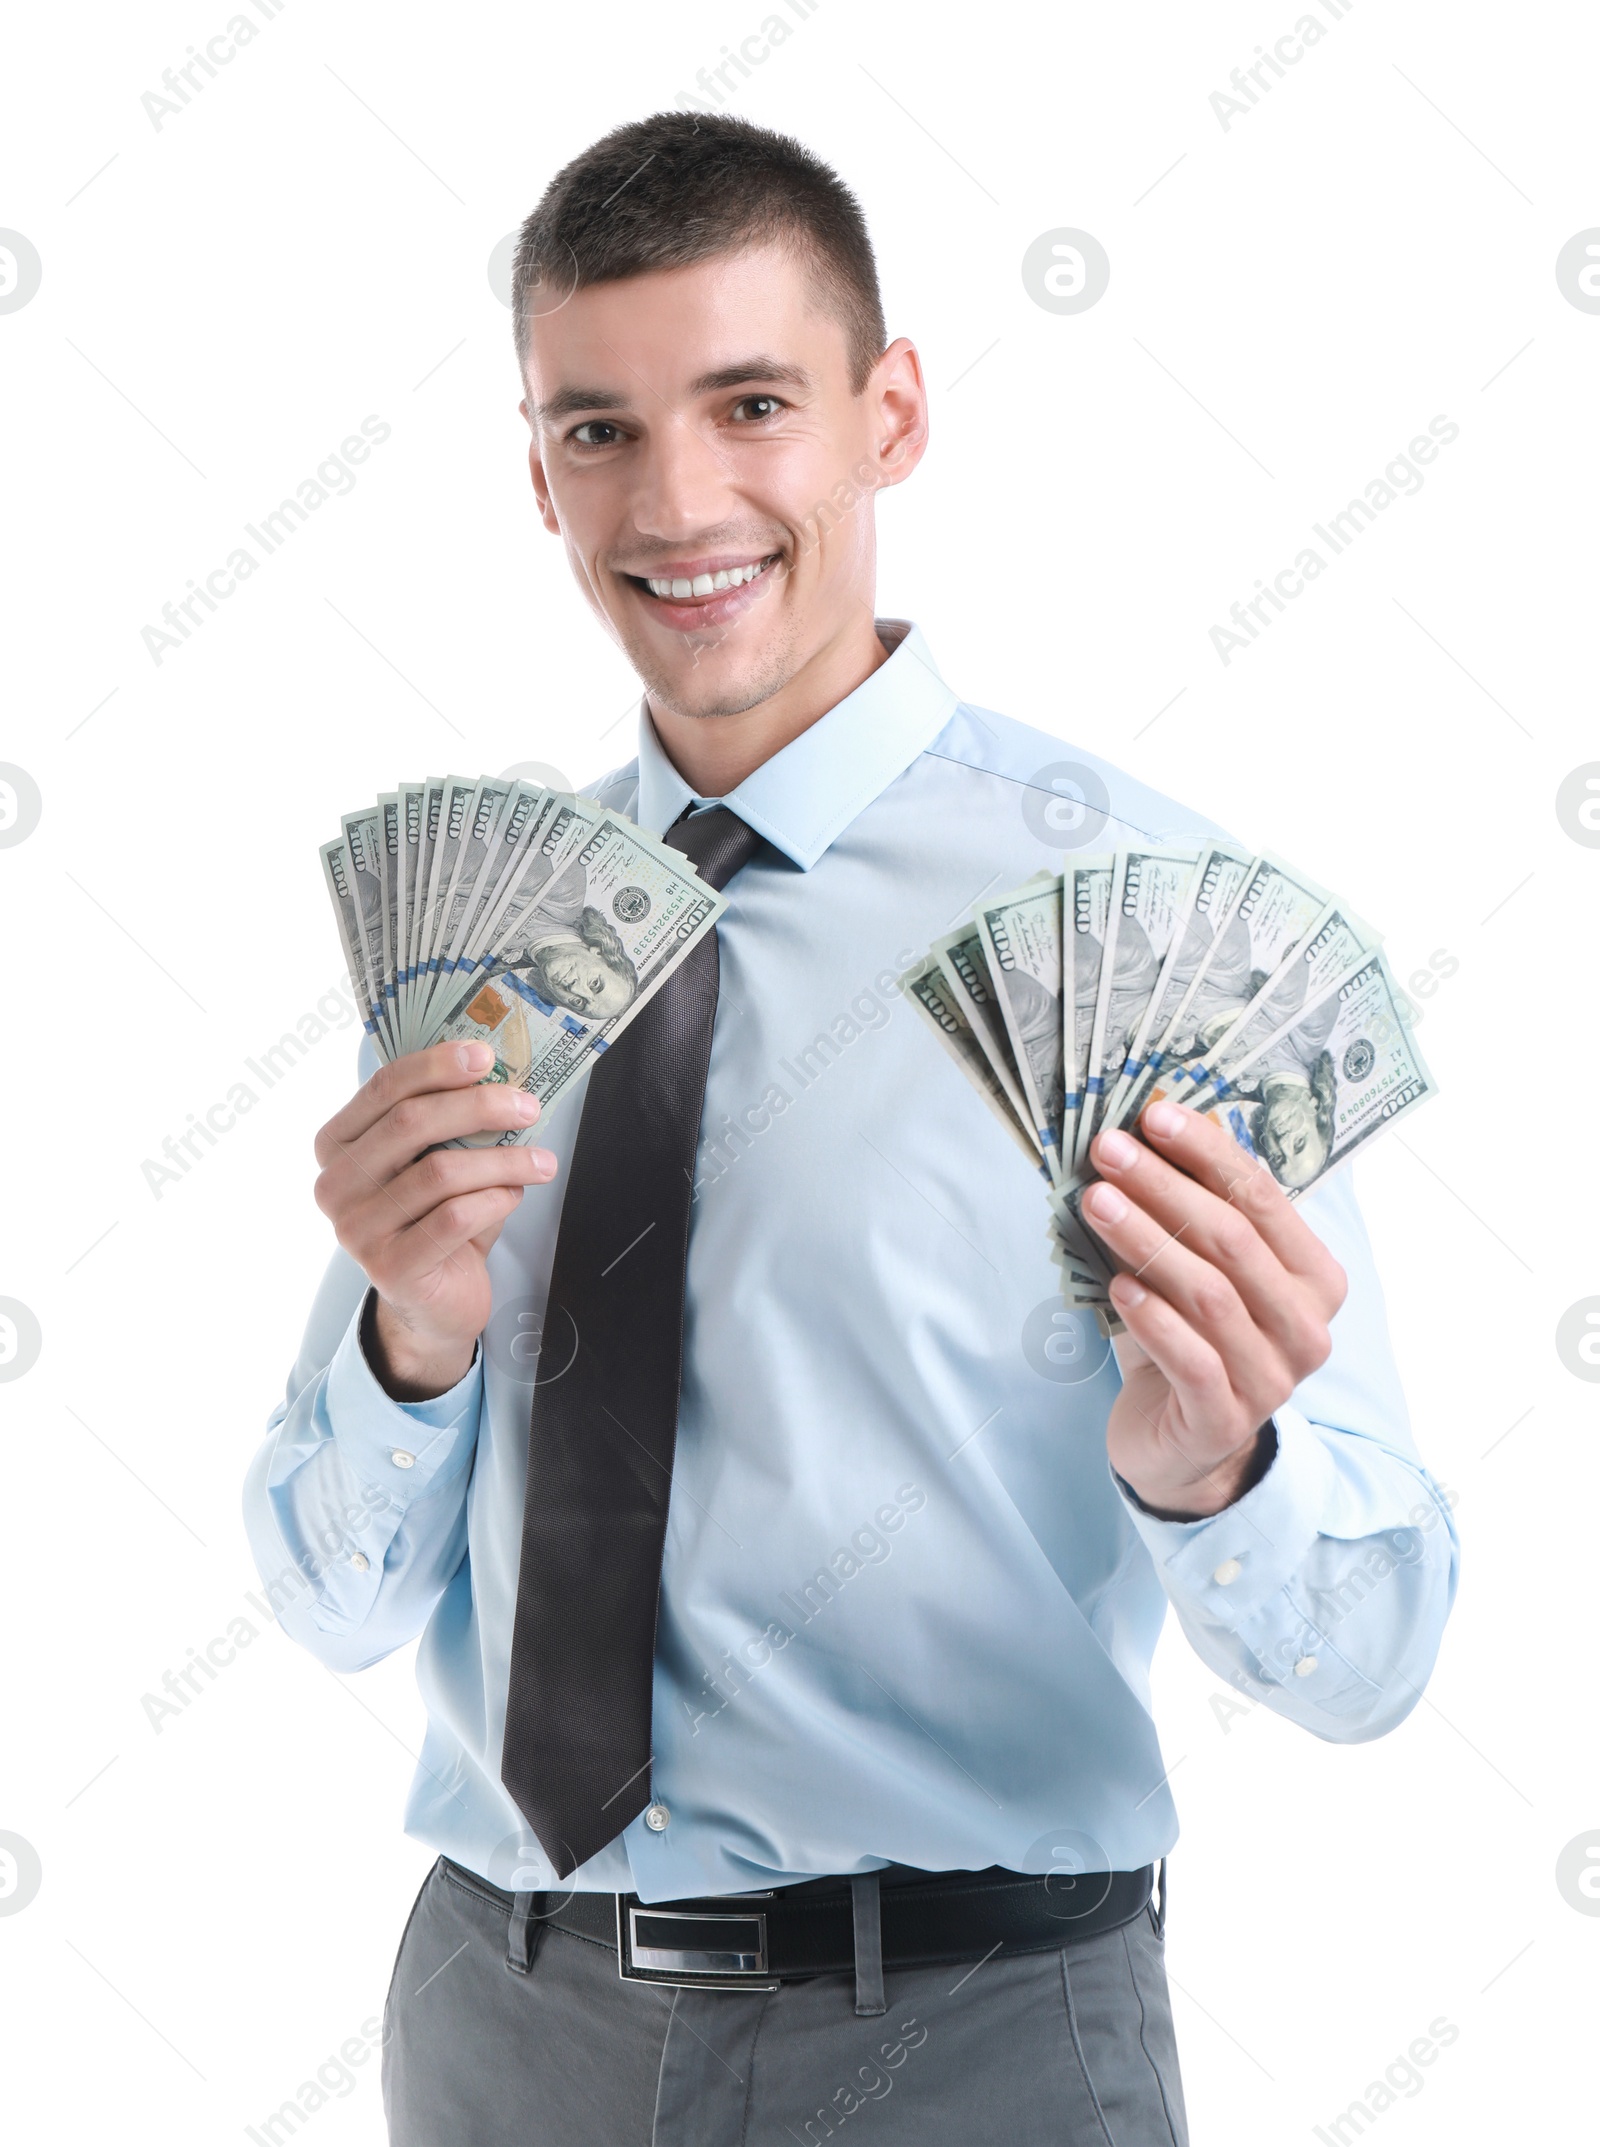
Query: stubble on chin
pixel 693 691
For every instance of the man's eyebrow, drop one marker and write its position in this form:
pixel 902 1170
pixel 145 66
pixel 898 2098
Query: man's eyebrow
pixel 567 402
pixel 757 368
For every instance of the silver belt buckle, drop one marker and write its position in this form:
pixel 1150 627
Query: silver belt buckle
pixel 713 1950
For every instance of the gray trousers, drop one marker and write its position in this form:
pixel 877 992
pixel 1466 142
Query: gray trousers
pixel 1073 2047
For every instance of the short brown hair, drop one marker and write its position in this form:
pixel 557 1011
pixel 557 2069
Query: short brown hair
pixel 681 187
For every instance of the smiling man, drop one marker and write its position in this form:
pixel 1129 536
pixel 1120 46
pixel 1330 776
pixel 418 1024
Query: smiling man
pixel 787 1560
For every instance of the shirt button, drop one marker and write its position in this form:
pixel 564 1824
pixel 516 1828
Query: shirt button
pixel 1305 1666
pixel 656 1818
pixel 403 1460
pixel 359 1560
pixel 1227 1572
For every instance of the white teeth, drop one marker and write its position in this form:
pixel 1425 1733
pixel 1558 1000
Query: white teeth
pixel 704 584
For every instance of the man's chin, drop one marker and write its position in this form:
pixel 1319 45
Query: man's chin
pixel 716 680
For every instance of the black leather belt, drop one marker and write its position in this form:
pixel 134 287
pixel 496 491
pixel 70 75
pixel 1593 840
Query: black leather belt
pixel 755 1941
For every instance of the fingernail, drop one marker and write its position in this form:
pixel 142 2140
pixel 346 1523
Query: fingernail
pixel 477 1058
pixel 1127 1292
pixel 1106 1204
pixel 1117 1152
pixel 526 1106
pixel 546 1162
pixel 1163 1120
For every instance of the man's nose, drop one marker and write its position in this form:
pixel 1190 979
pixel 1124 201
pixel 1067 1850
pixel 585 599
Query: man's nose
pixel 685 483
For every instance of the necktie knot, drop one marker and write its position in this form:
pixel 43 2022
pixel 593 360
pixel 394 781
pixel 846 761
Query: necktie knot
pixel 717 841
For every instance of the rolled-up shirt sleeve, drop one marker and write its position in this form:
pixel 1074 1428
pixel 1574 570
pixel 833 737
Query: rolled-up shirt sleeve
pixel 1323 1592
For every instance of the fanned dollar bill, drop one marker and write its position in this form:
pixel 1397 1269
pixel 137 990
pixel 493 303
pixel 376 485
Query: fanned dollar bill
pixel 534 920
pixel 965 968
pixel 1086 901
pixel 1214 881
pixel 1021 935
pixel 1307 1097
pixel 491 795
pixel 407 866
pixel 574 963
pixel 363 837
pixel 928 989
pixel 1253 916
pixel 449 832
pixel 412 980
pixel 515 837
pixel 340 882
pixel 1143 913
pixel 1333 947
pixel 1201 974
pixel 1220 876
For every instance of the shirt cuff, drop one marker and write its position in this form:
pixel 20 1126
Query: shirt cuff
pixel 401 1447
pixel 1229 1564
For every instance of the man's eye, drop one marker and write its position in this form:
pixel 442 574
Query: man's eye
pixel 593 424
pixel 770 406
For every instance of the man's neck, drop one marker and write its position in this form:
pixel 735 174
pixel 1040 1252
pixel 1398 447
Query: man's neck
pixel 714 754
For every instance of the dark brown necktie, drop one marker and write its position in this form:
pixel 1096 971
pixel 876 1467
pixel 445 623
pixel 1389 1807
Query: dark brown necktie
pixel 576 1757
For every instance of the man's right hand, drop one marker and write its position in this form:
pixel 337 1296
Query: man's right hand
pixel 422 1226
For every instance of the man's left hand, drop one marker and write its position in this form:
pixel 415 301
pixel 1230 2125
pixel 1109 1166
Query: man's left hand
pixel 1226 1299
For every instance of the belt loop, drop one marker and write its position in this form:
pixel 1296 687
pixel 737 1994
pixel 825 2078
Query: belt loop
pixel 864 1906
pixel 1161 1913
pixel 523 1934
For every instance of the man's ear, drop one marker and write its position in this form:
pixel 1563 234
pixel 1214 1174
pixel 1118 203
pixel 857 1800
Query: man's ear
pixel 895 387
pixel 541 484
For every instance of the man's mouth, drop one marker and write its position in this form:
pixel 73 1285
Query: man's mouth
pixel 704 592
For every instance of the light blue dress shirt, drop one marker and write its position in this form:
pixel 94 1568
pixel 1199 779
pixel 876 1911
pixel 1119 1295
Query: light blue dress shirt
pixel 907 1609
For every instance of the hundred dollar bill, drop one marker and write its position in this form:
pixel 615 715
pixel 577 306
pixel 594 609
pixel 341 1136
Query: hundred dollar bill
pixel 413 798
pixel 346 908
pixel 1143 915
pixel 1021 935
pixel 487 807
pixel 1076 1286
pixel 1217 872
pixel 928 989
pixel 527 811
pixel 455 806
pixel 1272 908
pixel 1309 1096
pixel 1086 902
pixel 389 833
pixel 1277 907
pixel 1080 1257
pixel 610 924
pixel 412 979
pixel 363 835
pixel 505 822
pixel 1336 944
pixel 965 968
pixel 554 835
pixel 1080 1284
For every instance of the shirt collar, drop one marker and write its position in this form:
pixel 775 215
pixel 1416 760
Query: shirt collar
pixel 811 790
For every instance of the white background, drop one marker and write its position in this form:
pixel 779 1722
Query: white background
pixel 1292 299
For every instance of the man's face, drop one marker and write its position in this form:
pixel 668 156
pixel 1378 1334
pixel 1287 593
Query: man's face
pixel 582 981
pixel 698 449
